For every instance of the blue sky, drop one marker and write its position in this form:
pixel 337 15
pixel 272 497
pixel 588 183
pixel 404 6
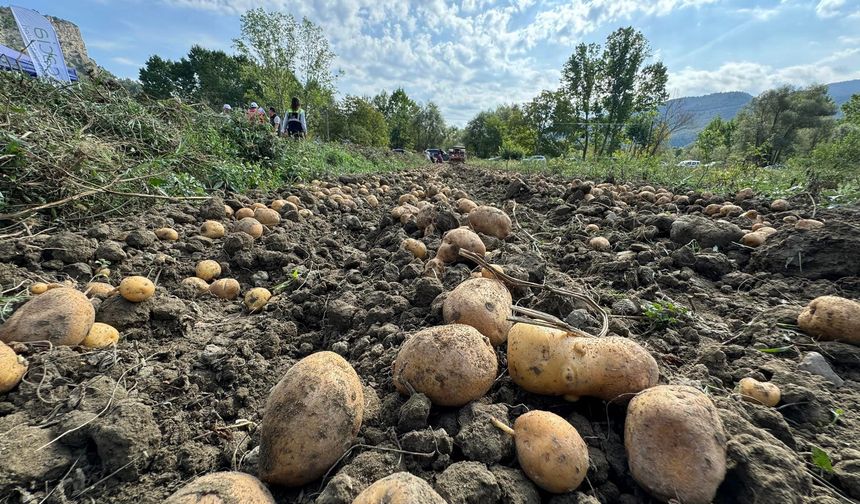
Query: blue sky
pixel 475 54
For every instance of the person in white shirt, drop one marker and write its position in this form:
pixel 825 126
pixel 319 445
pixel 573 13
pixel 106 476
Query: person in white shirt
pixel 274 119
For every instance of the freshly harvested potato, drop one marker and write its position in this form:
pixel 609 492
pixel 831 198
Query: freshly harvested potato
pixel 99 290
pixel 267 216
pixel 13 367
pixel 465 205
pixel 295 201
pixel 101 336
pixel 228 210
pixel 779 205
pixel 399 488
pixel 554 362
pixel 212 229
pixel 482 303
pixel 305 212
pixel 754 239
pixel 415 247
pixel 62 316
pixel 489 274
pixel 250 226
pixel 225 288
pixel 227 487
pixel 207 269
pixel 592 228
pixel 197 284
pixel 451 364
pixel 167 234
pixel 600 244
pixel 256 299
pixel 712 209
pixel 312 417
pixel 754 391
pixel 244 212
pixel 372 201
pixel 456 239
pixel 490 221
pixel 550 450
pixel 831 318
pixel 38 288
pixel 136 288
pixel 808 224
pixel 257 205
pixel 434 268
pixel 731 211
pixel 278 204
pixel 676 445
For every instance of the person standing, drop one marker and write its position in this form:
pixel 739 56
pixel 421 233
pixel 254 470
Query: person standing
pixel 255 113
pixel 294 123
pixel 274 119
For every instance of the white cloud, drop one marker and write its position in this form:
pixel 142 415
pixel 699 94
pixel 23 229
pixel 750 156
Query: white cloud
pixel 832 8
pixel 125 61
pixel 759 14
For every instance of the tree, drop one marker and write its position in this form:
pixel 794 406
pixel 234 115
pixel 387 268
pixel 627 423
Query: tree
pixel 483 135
pixel 580 76
pixel 399 111
pixel 851 109
pixel 156 78
pixel 429 127
pixel 360 122
pixel 715 138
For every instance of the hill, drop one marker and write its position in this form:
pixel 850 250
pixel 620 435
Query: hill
pixel 74 49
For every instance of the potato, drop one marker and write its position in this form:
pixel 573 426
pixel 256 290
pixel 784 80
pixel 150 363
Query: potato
pixel 486 273
pixel 101 336
pixel 257 205
pixel 167 234
pixel 831 318
pixel 207 269
pixel 225 288
pixel 38 288
pixel 136 288
pixel 808 224
pixel 399 488
pixel 482 303
pixel 250 226
pixel 465 205
pixel 550 450
pixel 62 316
pixel 295 201
pixel 592 228
pixel 600 244
pixel 228 487
pixel 754 239
pixel 490 221
pixel 554 362
pixel 434 268
pixel 712 209
pixel 197 284
pixel 212 229
pixel 779 205
pixel 456 239
pixel 228 210
pixel 451 364
pixel 267 216
pixel 256 298
pixel 731 211
pixel 676 445
pixel 278 204
pixel 372 201
pixel 415 247
pixel 312 417
pixel 244 212
pixel 12 368
pixel 766 230
pixel 754 391
pixel 99 290
pixel 304 212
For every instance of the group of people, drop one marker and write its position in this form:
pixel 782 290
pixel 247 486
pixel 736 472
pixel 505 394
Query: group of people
pixel 292 124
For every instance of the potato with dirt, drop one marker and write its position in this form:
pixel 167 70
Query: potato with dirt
pixel 226 487
pixel 452 365
pixel 167 234
pixel 415 247
pixel 99 290
pixel 831 318
pixel 549 449
pixel 312 417
pixel 676 444
pixel 250 226
pixel 483 303
pixel 399 488
pixel 257 298
pixel 490 221
pixel 456 239
pixel 62 316
pixel 555 362
pixel 212 229
pixel 13 367
pixel 136 288
pixel 225 288
pixel 207 270
pixel 754 391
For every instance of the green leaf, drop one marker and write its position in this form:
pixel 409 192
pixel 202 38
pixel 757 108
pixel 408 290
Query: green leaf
pixel 821 459
pixel 776 350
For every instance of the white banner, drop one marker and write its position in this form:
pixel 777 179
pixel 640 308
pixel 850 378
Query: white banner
pixel 42 44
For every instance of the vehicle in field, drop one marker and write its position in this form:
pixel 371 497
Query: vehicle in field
pixel 688 163
pixel 535 159
pixel 399 151
pixel 457 154
pixel 436 155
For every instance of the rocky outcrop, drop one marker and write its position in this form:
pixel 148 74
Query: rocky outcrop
pixel 74 49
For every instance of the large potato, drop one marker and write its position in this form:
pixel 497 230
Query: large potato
pixel 12 368
pixel 550 451
pixel 101 336
pixel 312 417
pixel 676 445
pixel 456 239
pixel 490 221
pixel 553 362
pixel 212 229
pixel 267 216
pixel 399 488
pixel 226 487
pixel 62 316
pixel 832 318
pixel 483 303
pixel 136 288
pixel 452 364
pixel 250 226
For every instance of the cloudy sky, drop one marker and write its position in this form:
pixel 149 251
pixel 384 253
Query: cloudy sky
pixel 474 54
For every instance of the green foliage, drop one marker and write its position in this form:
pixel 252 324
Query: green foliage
pixel 821 459
pixel 358 121
pixel 851 109
pixel 429 127
pixel 663 314
pixel 399 111
pixel 505 131
pixel 715 140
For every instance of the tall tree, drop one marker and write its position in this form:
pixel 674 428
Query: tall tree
pixel 399 111
pixel 157 77
pixel 358 121
pixel 715 139
pixel 429 127
pixel 580 78
pixel 483 135
pixel 851 109
pixel 551 117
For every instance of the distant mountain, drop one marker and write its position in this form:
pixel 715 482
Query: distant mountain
pixel 727 105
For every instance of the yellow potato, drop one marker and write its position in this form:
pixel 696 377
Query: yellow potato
pixel 592 228
pixel 465 205
pixel 136 288
pixel 489 274
pixel 228 210
pixel 212 229
pixel 312 417
pixel 226 487
pixel 676 445
pixel 278 204
pixel 225 288
pixel 831 318
pixel 451 364
pixel 167 234
pixel 243 213
pixel 553 362
pixel 490 221
pixel 197 284
pixel 305 212
pixel 207 269
pixel 257 205
pixel 754 239
pixel 415 247
pixel 455 239
pixel 550 451
pixel 12 368
pixel 62 316
pixel 600 244
pixel 808 224
pixel 482 303
pixel 779 205
pixel 256 298
pixel 267 216
pixel 295 201
pixel 372 201
pixel 399 488
pixel 99 290
pixel 754 391
pixel 101 336
pixel 250 226
pixel 38 288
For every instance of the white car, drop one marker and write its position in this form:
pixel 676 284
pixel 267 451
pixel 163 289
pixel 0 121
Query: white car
pixel 689 163
pixel 539 159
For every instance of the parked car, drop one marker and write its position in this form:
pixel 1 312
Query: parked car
pixel 399 151
pixel 432 155
pixel 494 158
pixel 689 163
pixel 535 159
